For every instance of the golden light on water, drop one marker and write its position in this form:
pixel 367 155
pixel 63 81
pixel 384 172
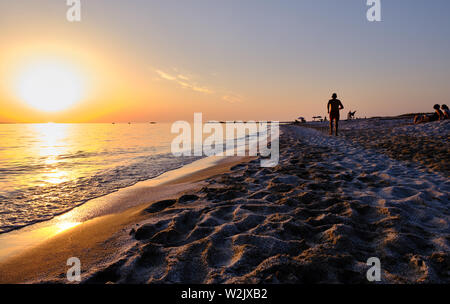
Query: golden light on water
pixel 51 137
pixel 49 86
pixel 56 177
pixel 51 147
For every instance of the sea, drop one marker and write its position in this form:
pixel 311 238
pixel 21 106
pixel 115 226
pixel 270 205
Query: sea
pixel 48 169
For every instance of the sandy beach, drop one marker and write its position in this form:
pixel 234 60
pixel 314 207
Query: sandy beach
pixel 381 189
pixel 98 230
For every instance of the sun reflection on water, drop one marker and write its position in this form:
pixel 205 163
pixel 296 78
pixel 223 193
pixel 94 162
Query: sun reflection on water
pixel 47 169
pixel 50 147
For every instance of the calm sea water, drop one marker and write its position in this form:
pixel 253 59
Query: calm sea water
pixel 47 169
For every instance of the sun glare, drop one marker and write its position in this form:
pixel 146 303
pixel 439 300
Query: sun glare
pixel 50 86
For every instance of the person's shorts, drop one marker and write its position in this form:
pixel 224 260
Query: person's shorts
pixel 334 116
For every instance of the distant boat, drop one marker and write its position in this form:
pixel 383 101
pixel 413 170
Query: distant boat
pixel 129 123
pixel 152 122
pixel 113 123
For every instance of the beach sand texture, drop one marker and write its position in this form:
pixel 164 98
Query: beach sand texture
pixel 317 217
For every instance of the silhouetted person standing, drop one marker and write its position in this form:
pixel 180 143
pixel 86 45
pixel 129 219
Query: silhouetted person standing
pixel 334 106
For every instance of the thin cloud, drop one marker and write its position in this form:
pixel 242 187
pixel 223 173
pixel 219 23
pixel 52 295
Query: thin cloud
pixel 187 85
pixel 164 75
pixel 232 98
pixel 182 77
pixel 184 82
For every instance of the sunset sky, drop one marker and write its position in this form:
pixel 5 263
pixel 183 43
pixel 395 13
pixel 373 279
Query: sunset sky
pixel 143 60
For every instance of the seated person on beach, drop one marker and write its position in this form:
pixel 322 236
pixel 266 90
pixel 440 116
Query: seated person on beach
pixel 334 106
pixel 437 115
pixel 446 111
pixel 351 115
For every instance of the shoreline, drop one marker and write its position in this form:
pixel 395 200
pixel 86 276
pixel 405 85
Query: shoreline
pixel 108 214
pixel 329 205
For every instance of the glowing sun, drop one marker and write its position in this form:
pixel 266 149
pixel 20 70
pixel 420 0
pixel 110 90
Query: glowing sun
pixel 50 86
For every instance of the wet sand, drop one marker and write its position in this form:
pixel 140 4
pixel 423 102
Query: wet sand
pixel 39 253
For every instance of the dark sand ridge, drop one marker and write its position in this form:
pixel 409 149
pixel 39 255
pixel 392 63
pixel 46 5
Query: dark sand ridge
pixel 100 238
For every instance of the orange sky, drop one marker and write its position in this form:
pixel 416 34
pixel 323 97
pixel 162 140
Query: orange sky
pixel 164 60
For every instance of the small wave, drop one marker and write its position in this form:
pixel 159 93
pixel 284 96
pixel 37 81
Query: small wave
pixel 23 207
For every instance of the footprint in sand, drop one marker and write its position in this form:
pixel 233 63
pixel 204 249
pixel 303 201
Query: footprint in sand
pixel 397 192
